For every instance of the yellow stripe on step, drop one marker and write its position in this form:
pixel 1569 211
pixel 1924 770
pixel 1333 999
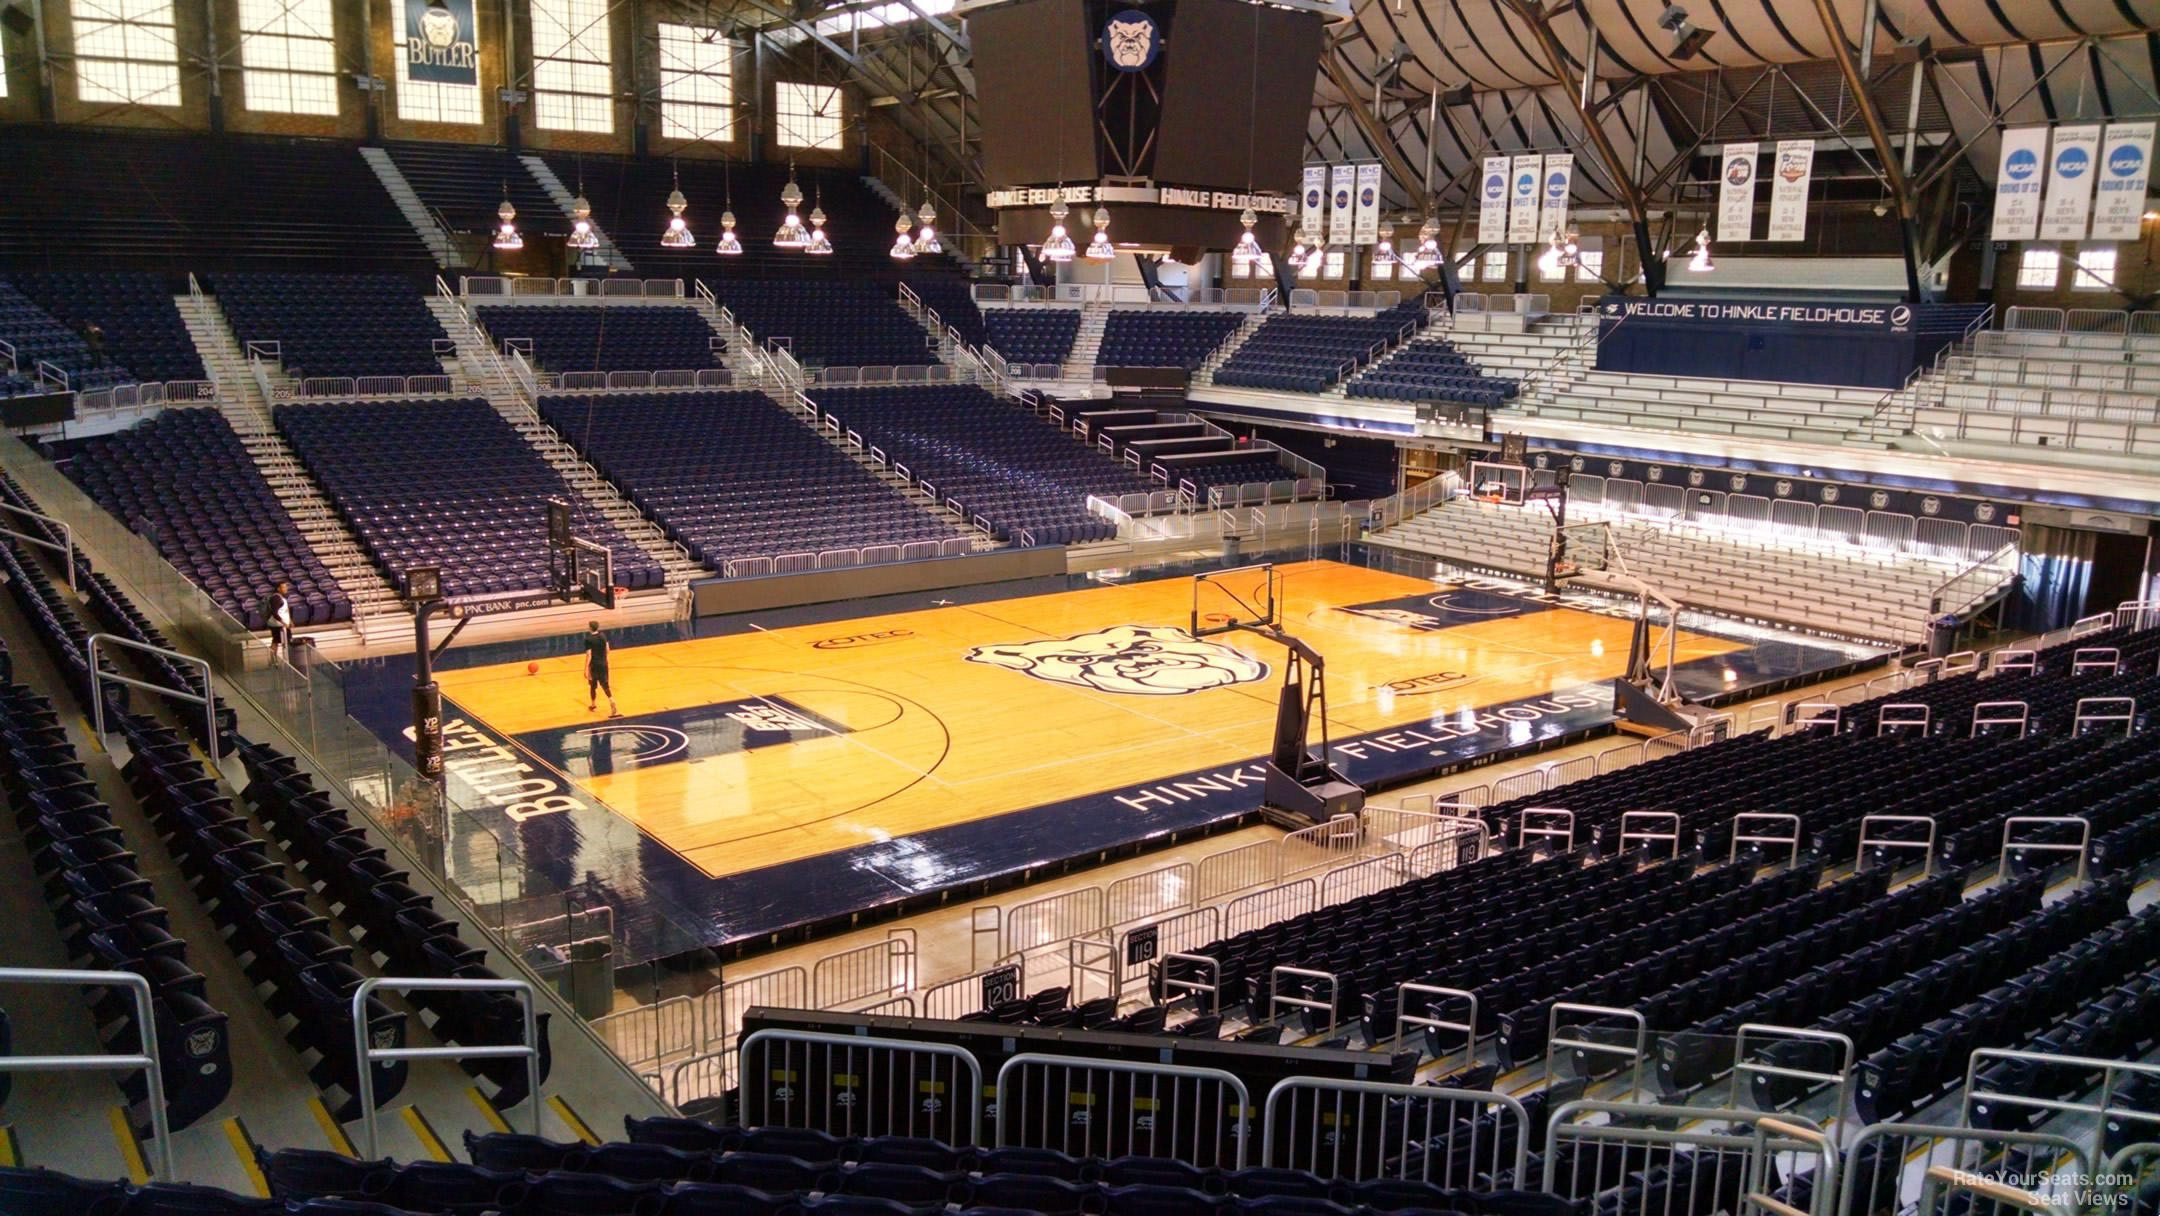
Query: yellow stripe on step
pixel 571 1120
pixel 424 1132
pixel 10 1149
pixel 243 1147
pixel 333 1131
pixel 487 1109
pixel 131 1158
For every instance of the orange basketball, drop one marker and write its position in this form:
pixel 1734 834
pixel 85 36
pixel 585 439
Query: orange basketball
pixel 532 669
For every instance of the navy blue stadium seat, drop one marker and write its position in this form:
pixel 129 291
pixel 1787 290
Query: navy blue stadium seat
pixel 1032 335
pixel 608 337
pixel 1298 353
pixel 846 323
pixel 335 324
pixel 1164 337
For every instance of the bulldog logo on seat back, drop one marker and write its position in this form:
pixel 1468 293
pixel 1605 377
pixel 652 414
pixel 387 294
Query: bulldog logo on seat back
pixel 1139 660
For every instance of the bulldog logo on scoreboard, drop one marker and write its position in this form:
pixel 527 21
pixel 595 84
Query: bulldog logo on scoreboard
pixel 1137 660
pixel 1131 41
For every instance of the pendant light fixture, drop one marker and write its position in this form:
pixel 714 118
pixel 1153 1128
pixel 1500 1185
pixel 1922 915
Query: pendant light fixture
pixel 1427 254
pixel 927 241
pixel 791 234
pixel 1699 261
pixel 902 247
pixel 1059 246
pixel 506 232
pixel 730 245
pixel 582 235
pixel 1100 249
pixel 677 235
pixel 1247 250
pixel 819 245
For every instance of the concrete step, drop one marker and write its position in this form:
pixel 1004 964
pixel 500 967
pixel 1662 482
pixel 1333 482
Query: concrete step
pixel 415 211
pixel 563 198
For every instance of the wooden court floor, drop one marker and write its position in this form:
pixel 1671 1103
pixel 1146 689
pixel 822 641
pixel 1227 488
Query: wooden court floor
pixel 755 749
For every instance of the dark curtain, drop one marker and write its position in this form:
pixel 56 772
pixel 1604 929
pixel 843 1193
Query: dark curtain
pixel 2055 571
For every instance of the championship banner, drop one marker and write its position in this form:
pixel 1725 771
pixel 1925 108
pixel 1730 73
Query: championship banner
pixel 2068 205
pixel 1365 226
pixel 1492 202
pixel 1736 193
pixel 441 42
pixel 2017 184
pixel 1559 180
pixel 1790 175
pixel 1523 199
pixel 1312 202
pixel 2125 168
pixel 1342 185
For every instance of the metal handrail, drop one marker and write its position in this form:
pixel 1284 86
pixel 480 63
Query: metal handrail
pixel 146 1059
pixel 208 699
pixel 368 1055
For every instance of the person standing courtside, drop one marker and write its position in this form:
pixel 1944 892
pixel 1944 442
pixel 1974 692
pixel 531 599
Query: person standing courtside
pixel 596 671
pixel 277 611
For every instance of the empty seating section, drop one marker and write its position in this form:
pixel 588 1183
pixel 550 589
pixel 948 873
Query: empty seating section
pixel 2097 392
pixel 447 484
pixel 608 338
pixel 1863 594
pixel 1164 337
pixel 1812 413
pixel 732 475
pixel 1032 335
pixel 335 325
pixel 1431 369
pixel 1297 353
pixel 846 323
pixel 142 328
pixel 953 301
pixel 39 338
pixel 184 480
pixel 193 202
pixel 998 461
pixel 466 183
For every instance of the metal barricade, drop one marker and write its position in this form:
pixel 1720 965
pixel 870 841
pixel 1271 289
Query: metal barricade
pixel 1272 906
pixel 1731 1158
pixel 2082 847
pixel 1988 714
pixel 1868 840
pixel 1362 878
pixel 1791 1066
pixel 1354 1130
pixel 850 1085
pixel 2108 1120
pixel 1637 1052
pixel 146 1059
pixel 1108 1108
pixel 1903 716
pixel 880 970
pixel 1141 896
pixel 1809 715
pixel 1741 835
pixel 973 992
pixel 1054 918
pixel 656 1032
pixel 2104 659
pixel 1433 1021
pixel 368 1055
pixel 2104 712
pixel 1276 999
pixel 1667 819
pixel 1549 823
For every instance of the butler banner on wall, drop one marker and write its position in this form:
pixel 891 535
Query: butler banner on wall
pixel 441 42
pixel 2125 168
pixel 2017 184
pixel 1736 194
pixel 1492 202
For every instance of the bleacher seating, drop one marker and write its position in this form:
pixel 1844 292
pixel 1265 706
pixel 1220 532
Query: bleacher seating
pixel 1297 353
pixel 184 480
pixel 467 182
pixel 1032 335
pixel 142 326
pixel 183 202
pixel 1164 337
pixel 39 338
pixel 1431 368
pixel 335 325
pixel 846 323
pixel 604 338
pixel 468 495
pixel 732 475
pixel 999 461
pixel 2081 391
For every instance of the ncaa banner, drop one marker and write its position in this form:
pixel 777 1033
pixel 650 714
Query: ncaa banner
pixel 1312 216
pixel 1790 173
pixel 2017 184
pixel 1492 202
pixel 441 42
pixel 2067 207
pixel 1559 180
pixel 1342 186
pixel 1523 198
pixel 1736 193
pixel 2125 168
pixel 1365 226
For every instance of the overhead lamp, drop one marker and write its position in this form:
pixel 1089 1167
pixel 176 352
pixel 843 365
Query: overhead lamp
pixel 1428 245
pixel 819 245
pixel 506 233
pixel 582 235
pixel 926 241
pixel 902 247
pixel 1687 38
pixel 791 234
pixel 677 235
pixel 1100 249
pixel 1059 246
pixel 1699 261
pixel 730 245
pixel 1383 253
pixel 1247 250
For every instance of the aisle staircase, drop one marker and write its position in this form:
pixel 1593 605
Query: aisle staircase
pixel 241 398
pixel 1087 340
pixel 562 197
pixel 416 212
pixel 491 378
pixel 1247 327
